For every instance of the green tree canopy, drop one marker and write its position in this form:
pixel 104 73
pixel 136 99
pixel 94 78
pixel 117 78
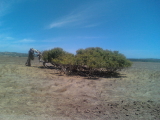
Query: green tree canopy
pixel 93 57
pixel 96 57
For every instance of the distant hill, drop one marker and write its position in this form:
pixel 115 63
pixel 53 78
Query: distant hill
pixel 13 54
pixel 144 60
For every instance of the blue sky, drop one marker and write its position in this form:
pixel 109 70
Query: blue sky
pixel 130 26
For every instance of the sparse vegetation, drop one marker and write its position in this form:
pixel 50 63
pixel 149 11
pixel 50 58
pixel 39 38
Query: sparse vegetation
pixel 25 91
pixel 144 60
pixel 13 54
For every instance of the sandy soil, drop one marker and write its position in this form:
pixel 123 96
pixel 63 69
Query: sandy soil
pixel 37 93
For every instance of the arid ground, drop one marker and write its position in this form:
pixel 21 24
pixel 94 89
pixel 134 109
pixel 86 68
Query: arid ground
pixel 37 93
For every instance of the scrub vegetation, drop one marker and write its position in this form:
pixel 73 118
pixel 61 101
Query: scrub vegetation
pixel 89 60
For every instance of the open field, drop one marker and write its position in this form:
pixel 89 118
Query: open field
pixel 37 93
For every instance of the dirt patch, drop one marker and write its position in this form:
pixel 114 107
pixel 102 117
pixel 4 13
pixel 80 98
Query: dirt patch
pixel 32 93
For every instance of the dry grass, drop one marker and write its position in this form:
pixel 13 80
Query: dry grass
pixel 32 93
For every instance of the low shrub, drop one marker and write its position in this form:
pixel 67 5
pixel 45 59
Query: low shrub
pixel 92 58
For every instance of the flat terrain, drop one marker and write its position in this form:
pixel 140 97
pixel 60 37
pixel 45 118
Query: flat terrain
pixel 37 93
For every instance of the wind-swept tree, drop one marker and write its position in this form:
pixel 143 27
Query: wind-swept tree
pixel 92 58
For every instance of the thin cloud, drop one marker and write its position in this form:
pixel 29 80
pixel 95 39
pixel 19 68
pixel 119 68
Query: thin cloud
pixel 58 24
pixel 5 38
pixel 9 38
pixel 5 6
pixel 88 37
pixel 67 20
pixel 91 25
pixel 79 17
pixel 26 41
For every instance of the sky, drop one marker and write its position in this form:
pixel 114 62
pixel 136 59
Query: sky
pixel 131 27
